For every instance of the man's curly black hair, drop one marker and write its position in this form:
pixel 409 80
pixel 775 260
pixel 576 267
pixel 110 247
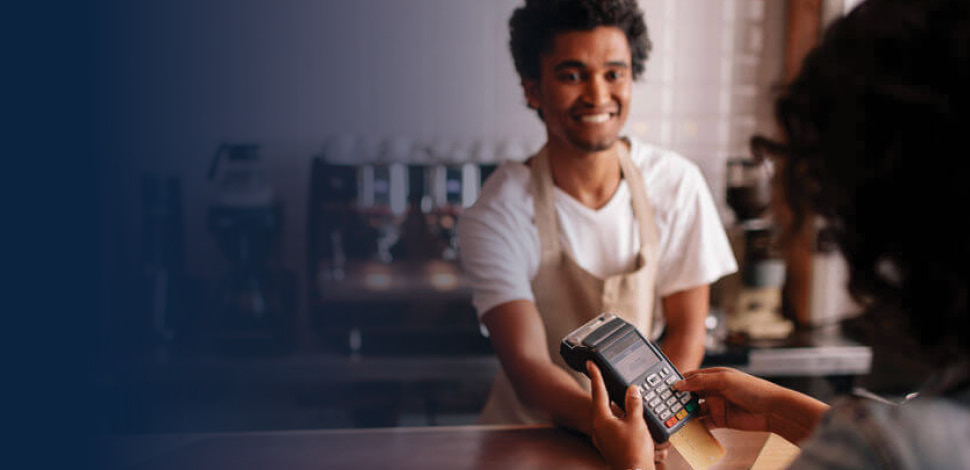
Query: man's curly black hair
pixel 875 141
pixel 533 26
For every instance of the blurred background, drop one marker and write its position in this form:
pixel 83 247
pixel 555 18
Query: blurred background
pixel 281 181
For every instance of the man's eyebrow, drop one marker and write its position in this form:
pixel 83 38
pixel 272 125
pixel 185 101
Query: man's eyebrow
pixel 576 64
pixel 569 64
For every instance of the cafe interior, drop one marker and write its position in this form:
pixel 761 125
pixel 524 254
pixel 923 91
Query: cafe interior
pixel 286 186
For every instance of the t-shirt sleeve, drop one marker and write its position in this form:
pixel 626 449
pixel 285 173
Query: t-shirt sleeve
pixel 493 258
pixel 696 250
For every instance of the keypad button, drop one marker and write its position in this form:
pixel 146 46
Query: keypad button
pixel 684 400
pixel 653 379
pixel 666 394
pixel 664 372
pixel 650 396
pixel 681 414
pixel 671 422
pixel 676 407
pixel 654 402
pixel 671 401
pixel 671 380
pixel 691 406
pixel 665 414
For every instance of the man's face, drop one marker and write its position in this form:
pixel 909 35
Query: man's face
pixel 584 88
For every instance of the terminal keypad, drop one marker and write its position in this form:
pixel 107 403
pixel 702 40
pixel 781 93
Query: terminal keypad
pixel 669 405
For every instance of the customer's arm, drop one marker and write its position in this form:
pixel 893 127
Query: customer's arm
pixel 736 400
pixel 685 312
pixel 519 339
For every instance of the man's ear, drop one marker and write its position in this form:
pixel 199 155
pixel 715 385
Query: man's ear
pixel 531 89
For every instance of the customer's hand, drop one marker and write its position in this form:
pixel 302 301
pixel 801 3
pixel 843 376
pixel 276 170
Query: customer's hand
pixel 623 441
pixel 733 399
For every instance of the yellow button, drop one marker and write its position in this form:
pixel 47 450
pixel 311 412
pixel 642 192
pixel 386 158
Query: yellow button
pixel 681 414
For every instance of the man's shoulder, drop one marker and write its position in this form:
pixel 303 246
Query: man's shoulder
pixel 662 166
pixel 648 156
pixel 508 183
pixel 506 189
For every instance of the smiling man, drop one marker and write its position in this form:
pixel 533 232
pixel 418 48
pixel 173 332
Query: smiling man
pixel 594 221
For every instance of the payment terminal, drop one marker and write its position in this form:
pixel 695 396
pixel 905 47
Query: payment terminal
pixel 626 358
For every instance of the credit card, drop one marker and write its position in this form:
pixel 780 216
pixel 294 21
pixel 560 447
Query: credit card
pixel 697 445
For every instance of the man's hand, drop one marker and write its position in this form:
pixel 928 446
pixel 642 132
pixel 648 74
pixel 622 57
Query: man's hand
pixel 623 441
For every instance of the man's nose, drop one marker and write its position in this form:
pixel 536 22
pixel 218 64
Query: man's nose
pixel 597 92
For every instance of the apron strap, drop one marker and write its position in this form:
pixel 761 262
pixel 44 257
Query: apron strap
pixel 545 210
pixel 642 209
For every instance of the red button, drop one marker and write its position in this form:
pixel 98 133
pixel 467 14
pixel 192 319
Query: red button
pixel 671 422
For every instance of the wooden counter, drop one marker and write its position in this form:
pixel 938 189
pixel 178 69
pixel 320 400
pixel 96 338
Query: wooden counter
pixel 427 448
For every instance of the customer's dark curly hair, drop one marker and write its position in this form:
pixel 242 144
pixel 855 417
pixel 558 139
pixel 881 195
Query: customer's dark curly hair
pixel 875 141
pixel 533 26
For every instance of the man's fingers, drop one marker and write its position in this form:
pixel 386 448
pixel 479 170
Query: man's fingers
pixel 634 403
pixel 601 399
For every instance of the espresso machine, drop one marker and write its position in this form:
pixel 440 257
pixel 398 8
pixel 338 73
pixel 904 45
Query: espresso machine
pixel 252 305
pixel 754 307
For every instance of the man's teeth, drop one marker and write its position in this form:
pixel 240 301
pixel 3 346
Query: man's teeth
pixel 595 118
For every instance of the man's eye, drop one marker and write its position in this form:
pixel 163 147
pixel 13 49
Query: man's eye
pixel 570 76
pixel 614 75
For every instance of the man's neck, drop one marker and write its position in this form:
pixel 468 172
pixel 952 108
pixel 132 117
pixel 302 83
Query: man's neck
pixel 590 177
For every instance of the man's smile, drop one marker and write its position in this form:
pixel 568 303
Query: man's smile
pixel 597 118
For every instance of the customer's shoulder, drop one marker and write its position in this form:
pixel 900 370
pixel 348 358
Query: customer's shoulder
pixel 927 432
pixel 855 408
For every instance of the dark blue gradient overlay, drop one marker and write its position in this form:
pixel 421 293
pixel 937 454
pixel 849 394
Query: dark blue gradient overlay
pixel 107 92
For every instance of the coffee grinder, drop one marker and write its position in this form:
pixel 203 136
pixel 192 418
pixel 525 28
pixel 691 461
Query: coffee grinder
pixel 754 307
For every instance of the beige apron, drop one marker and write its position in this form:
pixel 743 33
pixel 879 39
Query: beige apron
pixel 568 296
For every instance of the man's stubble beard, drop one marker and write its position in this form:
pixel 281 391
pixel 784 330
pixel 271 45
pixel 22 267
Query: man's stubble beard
pixel 592 147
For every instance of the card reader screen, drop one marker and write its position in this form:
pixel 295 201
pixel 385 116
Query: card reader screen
pixel 630 356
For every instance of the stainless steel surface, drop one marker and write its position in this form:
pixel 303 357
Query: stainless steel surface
pixel 809 362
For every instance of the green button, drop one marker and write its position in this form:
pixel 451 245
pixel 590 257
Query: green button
pixel 691 406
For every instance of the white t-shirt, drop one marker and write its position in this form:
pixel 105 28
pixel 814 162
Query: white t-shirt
pixel 499 244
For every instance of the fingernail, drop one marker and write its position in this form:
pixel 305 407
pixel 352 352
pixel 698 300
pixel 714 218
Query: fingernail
pixel 636 392
pixel 678 385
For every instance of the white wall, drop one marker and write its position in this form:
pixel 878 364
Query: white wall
pixel 182 76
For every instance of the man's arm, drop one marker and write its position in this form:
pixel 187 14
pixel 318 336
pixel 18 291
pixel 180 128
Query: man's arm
pixel 685 312
pixel 519 339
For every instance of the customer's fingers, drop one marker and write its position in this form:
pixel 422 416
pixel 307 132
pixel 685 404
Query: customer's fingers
pixel 700 383
pixel 706 371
